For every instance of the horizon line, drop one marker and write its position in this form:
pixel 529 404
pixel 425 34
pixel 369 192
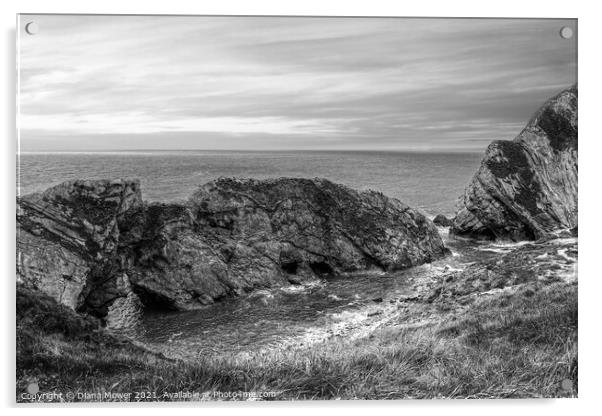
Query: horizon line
pixel 248 150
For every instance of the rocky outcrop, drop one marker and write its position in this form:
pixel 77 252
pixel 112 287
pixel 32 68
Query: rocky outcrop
pixel 95 246
pixel 317 224
pixel 526 188
pixel 67 243
pixel 442 221
pixel 235 236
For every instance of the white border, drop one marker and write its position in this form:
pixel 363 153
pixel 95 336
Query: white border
pixel 589 103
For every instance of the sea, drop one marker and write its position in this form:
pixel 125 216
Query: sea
pixel 430 182
pixel 278 318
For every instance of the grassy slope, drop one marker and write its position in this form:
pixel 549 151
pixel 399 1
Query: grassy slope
pixel 511 344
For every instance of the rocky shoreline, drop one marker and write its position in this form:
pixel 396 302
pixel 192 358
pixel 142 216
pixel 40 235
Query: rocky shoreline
pixel 435 291
pixel 517 308
pixel 96 247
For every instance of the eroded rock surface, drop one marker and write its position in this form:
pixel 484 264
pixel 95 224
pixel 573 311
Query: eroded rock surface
pixel 46 264
pixel 527 188
pixel 238 235
pixel 67 242
pixel 95 246
pixel 329 226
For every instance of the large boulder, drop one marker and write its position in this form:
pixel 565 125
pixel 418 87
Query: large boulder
pixel 526 188
pixel 96 247
pixel 237 235
pixel 318 224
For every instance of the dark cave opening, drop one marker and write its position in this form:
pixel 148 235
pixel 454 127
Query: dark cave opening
pixel 321 268
pixel 153 301
pixel 290 267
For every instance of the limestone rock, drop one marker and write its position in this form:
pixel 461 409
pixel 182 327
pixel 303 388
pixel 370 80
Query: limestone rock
pixel 67 241
pixel 45 264
pixel 317 226
pixel 526 188
pixel 123 315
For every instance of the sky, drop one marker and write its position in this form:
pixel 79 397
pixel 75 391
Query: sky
pixel 91 83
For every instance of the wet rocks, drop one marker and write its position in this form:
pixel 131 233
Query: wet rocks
pixel 526 188
pixel 96 247
pixel 409 298
pixel 526 266
pixel 565 234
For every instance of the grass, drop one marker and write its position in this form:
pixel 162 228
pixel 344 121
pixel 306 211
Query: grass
pixel 514 344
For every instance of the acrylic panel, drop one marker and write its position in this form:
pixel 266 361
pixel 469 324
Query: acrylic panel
pixel 295 208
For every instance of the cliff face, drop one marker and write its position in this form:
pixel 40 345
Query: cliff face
pixel 96 247
pixel 68 243
pixel 526 188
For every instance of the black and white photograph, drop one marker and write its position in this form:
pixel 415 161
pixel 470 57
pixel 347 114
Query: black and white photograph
pixel 275 208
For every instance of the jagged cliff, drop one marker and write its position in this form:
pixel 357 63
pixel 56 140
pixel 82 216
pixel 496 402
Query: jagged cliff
pixel 98 248
pixel 68 245
pixel 526 188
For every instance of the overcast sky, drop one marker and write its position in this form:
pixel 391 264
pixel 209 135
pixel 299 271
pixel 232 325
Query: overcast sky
pixel 123 82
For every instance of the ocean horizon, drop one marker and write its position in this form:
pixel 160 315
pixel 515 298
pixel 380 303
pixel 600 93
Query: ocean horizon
pixel 427 180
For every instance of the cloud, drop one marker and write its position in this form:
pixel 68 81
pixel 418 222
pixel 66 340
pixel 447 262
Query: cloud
pixel 141 123
pixel 382 83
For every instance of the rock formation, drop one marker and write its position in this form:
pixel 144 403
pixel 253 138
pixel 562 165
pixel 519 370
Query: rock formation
pixel 96 247
pixel 442 221
pixel 526 188
pixel 67 243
